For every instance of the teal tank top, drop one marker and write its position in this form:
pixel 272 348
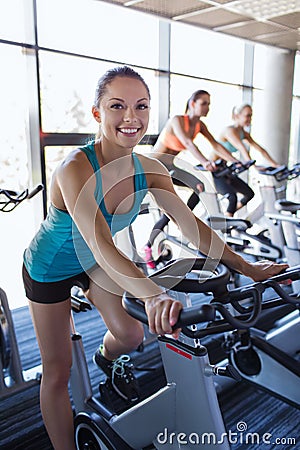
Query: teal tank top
pixel 229 146
pixel 58 250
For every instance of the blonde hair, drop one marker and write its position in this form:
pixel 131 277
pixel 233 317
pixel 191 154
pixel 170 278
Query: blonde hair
pixel 238 109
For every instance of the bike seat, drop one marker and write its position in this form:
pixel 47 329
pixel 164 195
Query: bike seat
pixel 287 205
pixel 225 224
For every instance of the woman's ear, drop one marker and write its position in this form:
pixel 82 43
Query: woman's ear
pixel 96 114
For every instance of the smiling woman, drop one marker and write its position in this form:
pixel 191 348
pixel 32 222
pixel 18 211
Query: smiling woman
pixel 128 118
pixel 95 192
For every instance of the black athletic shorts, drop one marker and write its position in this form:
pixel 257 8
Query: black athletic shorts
pixel 54 292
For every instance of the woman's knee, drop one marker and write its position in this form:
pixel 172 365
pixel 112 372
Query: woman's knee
pixel 131 337
pixel 247 197
pixel 56 373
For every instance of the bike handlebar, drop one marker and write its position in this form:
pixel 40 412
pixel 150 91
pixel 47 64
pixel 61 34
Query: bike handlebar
pixel 222 168
pixel 211 277
pixel 281 173
pixel 247 315
pixel 9 200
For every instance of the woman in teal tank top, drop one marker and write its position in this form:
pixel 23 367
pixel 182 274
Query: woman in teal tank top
pixel 234 138
pixel 96 191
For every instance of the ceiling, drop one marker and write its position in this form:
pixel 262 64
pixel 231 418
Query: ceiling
pixel 272 22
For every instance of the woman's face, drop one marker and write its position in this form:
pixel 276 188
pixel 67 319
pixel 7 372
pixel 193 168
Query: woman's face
pixel 244 117
pixel 201 105
pixel 124 111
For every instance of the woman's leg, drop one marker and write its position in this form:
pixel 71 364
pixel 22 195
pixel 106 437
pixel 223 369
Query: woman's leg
pixel 224 186
pixel 52 327
pixel 180 178
pixel 158 228
pixel 124 335
pixel 244 189
pixel 124 332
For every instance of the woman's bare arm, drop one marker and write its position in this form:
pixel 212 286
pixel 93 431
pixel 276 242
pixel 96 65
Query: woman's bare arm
pixel 218 148
pixel 259 148
pixel 232 135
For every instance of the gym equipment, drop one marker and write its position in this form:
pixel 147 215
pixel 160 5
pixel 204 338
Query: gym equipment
pixel 268 356
pixel 237 231
pixel 234 230
pixel 270 359
pixel 186 407
pixel 272 184
pixel 11 374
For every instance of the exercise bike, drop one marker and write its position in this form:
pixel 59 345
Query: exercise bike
pixel 269 359
pixel 185 410
pixel 11 373
pixel 235 231
pixel 273 183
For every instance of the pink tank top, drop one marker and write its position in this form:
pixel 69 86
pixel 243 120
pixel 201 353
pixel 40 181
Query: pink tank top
pixel 172 142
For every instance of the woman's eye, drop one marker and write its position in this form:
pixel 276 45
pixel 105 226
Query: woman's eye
pixel 117 106
pixel 143 106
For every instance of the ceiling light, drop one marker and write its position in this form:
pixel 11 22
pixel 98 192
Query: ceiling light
pixel 264 9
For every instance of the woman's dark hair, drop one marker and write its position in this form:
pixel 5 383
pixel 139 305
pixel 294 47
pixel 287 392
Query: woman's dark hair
pixel 194 97
pixel 110 75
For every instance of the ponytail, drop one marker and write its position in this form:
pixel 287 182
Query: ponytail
pixel 193 98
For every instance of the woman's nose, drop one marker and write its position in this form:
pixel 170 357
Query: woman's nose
pixel 129 114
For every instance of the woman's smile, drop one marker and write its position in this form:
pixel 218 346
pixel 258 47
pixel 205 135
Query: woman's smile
pixel 130 132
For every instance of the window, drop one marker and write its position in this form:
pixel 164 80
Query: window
pixel 296 90
pixel 17 227
pixel 13 119
pixel 15 21
pixel 294 156
pixel 68 85
pixel 99 29
pixel 205 54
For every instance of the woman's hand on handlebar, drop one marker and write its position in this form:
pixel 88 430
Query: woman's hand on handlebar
pixel 235 165
pixel 209 165
pixel 262 270
pixel 163 312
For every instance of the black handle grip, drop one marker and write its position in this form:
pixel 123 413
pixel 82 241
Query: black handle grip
pixel 35 191
pixel 222 168
pixel 11 199
pixel 238 167
pixel 187 316
pixel 280 173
